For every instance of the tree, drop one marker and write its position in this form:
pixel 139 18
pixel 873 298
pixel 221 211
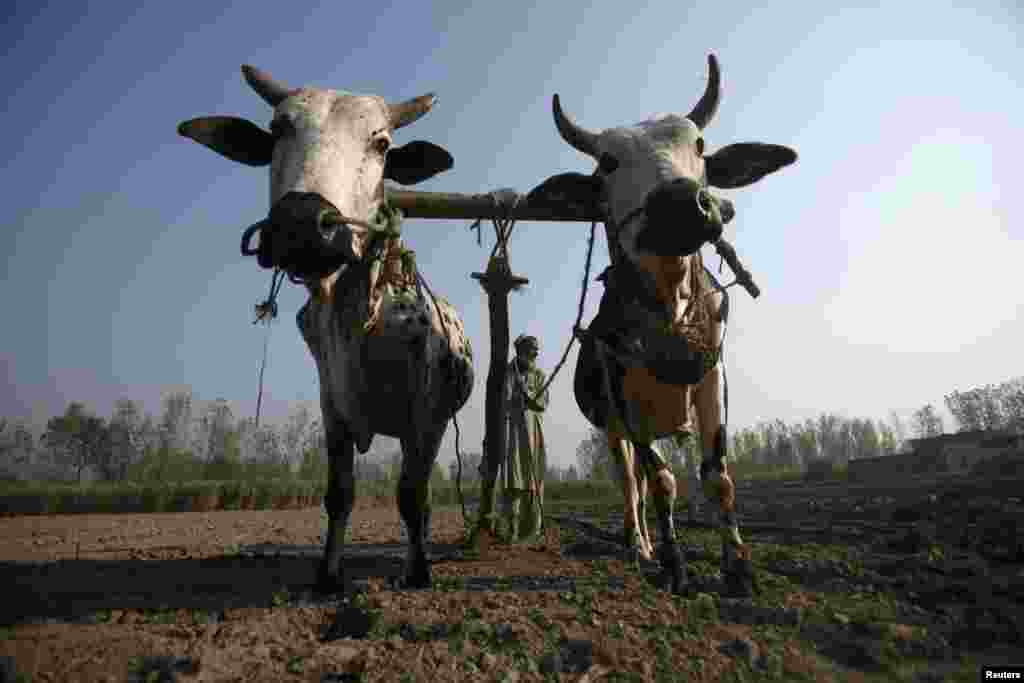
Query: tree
pixel 829 435
pixel 990 407
pixel 470 468
pixel 296 435
pixel 219 438
pixel 176 421
pixel 16 442
pixel 266 445
pixel 1011 397
pixel 899 430
pixel 886 438
pixel 17 447
pixel 314 456
pixel 865 438
pixel 594 457
pixel 807 446
pixel 126 436
pixel 966 410
pixel 78 438
pixel 927 422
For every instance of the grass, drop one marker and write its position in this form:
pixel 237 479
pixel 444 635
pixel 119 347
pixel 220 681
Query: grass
pixel 25 498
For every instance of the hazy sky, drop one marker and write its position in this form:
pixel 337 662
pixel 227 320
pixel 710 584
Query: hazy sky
pixel 889 256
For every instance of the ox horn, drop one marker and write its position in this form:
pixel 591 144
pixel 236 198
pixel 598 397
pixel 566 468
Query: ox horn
pixel 705 109
pixel 266 87
pixel 577 136
pixel 404 113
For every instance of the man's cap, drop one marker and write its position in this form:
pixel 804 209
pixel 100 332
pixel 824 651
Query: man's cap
pixel 526 340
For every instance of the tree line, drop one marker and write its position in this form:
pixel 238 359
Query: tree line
pixel 831 437
pixel 188 440
pixel 193 440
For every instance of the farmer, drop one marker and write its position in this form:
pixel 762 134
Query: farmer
pixel 526 460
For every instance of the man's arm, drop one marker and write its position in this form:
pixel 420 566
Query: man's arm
pixel 541 403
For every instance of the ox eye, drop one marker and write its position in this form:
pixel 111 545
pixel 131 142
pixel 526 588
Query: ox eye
pixel 700 146
pixel 381 145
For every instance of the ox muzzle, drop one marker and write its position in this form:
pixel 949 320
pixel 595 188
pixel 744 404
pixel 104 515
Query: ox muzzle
pixel 300 236
pixel 682 215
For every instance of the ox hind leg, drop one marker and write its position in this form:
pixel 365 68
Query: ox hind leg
pixel 341 492
pixel 637 464
pixel 418 455
pixel 737 569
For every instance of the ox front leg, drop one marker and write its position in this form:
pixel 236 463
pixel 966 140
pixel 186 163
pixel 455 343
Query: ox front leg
pixel 637 545
pixel 341 492
pixel 641 505
pixel 418 456
pixel 663 483
pixel 737 569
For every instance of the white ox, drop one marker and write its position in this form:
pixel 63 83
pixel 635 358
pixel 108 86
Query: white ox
pixel 651 357
pixel 391 358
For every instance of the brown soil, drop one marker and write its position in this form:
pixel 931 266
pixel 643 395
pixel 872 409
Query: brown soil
pixel 174 585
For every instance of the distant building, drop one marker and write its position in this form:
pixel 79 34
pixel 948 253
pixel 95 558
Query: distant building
pixel 958 453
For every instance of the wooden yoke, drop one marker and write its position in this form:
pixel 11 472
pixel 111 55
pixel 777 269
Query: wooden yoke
pixel 504 208
pixel 453 205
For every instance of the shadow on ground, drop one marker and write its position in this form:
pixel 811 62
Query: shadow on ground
pixel 75 589
pixel 256 576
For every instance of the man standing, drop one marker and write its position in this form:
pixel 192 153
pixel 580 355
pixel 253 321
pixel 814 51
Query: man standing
pixel 526 461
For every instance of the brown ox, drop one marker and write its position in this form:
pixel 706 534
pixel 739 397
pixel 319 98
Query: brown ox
pixel 652 356
pixel 392 359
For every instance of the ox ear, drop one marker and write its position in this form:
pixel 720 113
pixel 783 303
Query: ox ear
pixel 574 189
pixel 416 161
pixel 745 163
pixel 231 137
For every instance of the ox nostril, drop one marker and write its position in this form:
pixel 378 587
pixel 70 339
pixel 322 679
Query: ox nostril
pixel 704 202
pixel 328 221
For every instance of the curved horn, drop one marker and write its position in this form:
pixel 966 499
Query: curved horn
pixel 404 113
pixel 266 87
pixel 705 109
pixel 577 136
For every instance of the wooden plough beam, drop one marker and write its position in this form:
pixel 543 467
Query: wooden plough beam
pixel 497 282
pixel 453 205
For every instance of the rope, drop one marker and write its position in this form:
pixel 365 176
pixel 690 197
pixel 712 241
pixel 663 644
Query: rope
pixel 506 200
pixel 454 418
pixel 265 313
pixel 263 365
pixel 579 318
pixel 565 354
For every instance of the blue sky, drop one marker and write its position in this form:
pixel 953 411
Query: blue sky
pixel 889 256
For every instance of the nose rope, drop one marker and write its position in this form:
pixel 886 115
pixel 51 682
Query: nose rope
pixel 266 311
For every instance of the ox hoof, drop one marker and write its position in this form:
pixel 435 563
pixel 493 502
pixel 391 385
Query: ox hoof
pixel 413 580
pixel 673 569
pixel 740 581
pixel 631 558
pixel 328 583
